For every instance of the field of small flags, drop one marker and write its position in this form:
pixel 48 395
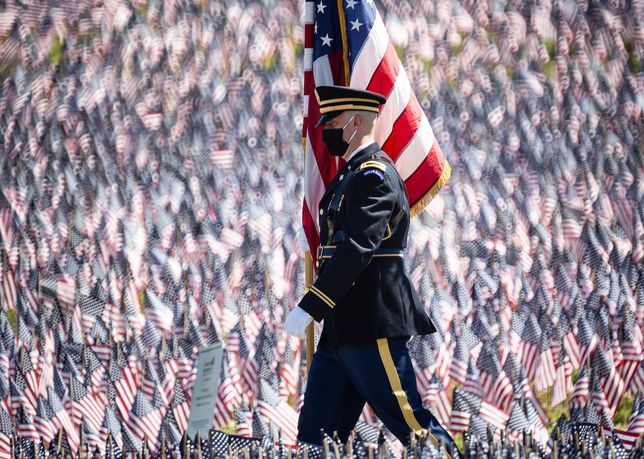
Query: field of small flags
pixel 151 199
pixel 580 440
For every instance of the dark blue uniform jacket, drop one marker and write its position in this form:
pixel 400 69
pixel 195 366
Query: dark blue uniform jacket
pixel 362 290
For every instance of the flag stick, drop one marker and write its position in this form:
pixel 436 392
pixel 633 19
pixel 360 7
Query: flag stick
pixel 310 334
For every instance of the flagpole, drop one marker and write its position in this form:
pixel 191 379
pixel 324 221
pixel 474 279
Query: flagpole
pixel 310 334
pixel 309 20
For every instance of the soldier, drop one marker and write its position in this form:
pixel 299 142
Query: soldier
pixel 362 292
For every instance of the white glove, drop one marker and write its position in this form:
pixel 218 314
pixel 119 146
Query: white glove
pixel 296 322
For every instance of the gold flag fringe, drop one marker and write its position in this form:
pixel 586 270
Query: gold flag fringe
pixel 425 200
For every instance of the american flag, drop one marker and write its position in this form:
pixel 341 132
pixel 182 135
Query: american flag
pixel 623 440
pixel 112 449
pixel 558 225
pixel 636 419
pixel 230 385
pixel 570 344
pixel 529 349
pixel 124 380
pixel 9 285
pixel 6 432
pixel 289 374
pixel 25 425
pixel 458 368
pixel 44 420
pixel 473 379
pixel 63 419
pixel 581 392
pixel 145 420
pixel 180 406
pixel 631 347
pixel 517 423
pixel 493 415
pixel 158 312
pixel 21 394
pixel 610 381
pixel 85 405
pixel 497 387
pixel 277 412
pixel 111 428
pixel 347 44
pixel 545 375
pixel 563 380
pixel 436 397
pixel 465 404
pixel 90 438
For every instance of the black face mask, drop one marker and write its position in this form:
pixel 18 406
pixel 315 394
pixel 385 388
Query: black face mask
pixel 332 138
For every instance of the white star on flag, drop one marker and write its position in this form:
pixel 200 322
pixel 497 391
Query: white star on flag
pixel 321 7
pixel 326 40
pixel 351 4
pixel 355 25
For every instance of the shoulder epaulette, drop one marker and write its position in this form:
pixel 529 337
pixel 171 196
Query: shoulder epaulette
pixel 376 164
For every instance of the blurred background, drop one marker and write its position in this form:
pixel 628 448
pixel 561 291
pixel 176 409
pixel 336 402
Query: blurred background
pixel 151 169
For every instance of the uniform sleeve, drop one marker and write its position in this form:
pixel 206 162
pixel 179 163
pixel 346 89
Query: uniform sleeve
pixel 370 200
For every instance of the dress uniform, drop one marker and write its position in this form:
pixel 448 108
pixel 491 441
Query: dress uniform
pixel 364 295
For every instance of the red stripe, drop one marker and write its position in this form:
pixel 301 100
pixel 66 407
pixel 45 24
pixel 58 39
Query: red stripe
pixel 309 85
pixel 309 39
pixel 308 81
pixel 407 123
pixel 429 171
pixel 280 416
pixel 181 414
pixel 404 129
pixel 383 79
pixel 5 446
pixel 336 62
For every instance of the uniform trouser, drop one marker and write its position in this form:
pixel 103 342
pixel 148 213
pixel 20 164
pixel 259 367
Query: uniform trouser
pixel 381 374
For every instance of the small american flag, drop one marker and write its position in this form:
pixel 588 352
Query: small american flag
pixel 145 420
pixel 465 405
pixel 223 159
pixel 517 423
pixel 6 432
pixel 180 406
pixel 277 412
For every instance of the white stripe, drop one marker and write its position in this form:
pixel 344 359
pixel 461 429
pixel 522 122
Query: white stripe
pixel 309 12
pixel 397 101
pixel 308 59
pixel 315 185
pixel 282 415
pixel 306 106
pixel 415 153
pixel 322 71
pixel 369 57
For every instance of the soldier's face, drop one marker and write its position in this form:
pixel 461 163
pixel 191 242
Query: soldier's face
pixel 334 132
pixel 342 121
pixel 337 122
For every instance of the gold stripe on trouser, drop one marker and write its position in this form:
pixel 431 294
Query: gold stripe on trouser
pixel 401 396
